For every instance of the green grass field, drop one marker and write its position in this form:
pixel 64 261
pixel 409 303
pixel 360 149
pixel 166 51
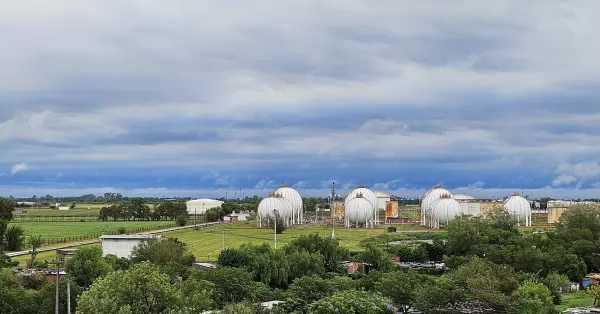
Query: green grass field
pixel 575 299
pixel 55 230
pixel 207 243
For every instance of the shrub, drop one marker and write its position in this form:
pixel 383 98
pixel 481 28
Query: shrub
pixel 121 230
pixel 15 238
pixel 181 220
pixel 281 227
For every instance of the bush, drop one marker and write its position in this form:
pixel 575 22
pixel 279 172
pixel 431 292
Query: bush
pixel 181 220
pixel 121 230
pixel 15 238
pixel 234 258
pixel 281 227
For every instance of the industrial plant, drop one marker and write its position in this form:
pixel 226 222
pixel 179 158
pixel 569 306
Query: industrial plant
pixel 284 202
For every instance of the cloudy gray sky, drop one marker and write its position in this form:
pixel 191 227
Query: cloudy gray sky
pixel 201 97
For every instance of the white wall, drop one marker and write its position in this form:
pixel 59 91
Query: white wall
pixel 201 208
pixel 119 247
pixel 470 208
pixel 381 201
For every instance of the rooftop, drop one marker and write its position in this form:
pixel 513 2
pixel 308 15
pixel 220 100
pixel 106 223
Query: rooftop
pixel 129 236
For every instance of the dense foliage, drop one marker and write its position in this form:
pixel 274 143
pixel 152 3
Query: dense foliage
pixel 491 267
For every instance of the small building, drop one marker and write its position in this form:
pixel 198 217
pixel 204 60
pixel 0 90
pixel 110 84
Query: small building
pixel 64 208
pixel 235 217
pixel 590 279
pixel 122 245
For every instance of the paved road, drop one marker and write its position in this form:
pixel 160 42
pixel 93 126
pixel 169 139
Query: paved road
pixel 71 245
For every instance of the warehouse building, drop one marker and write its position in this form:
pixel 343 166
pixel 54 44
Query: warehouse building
pixel 200 206
pixel 122 245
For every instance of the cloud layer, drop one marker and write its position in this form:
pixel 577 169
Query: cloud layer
pixel 204 97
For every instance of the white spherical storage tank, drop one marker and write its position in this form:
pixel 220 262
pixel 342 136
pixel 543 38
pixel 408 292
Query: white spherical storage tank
pixel 443 210
pixel 272 204
pixel 430 196
pixel 519 207
pixel 368 195
pixel 358 211
pixel 295 200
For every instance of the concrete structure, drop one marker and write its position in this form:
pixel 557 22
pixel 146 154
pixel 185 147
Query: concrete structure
pixel 519 207
pixel 122 245
pixel 338 209
pixel 367 195
pixel 443 210
pixel 200 206
pixel 268 206
pixel 382 199
pixel 295 199
pixel 64 208
pixel 359 212
pixel 235 217
pixel 557 207
pixel 470 207
pixel 430 196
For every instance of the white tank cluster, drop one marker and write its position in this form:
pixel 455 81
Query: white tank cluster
pixel 519 207
pixel 295 199
pixel 439 206
pixel 284 201
pixel 360 207
pixel 269 207
pixel 435 193
pixel 443 210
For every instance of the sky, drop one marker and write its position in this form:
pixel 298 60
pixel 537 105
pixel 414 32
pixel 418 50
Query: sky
pixel 203 98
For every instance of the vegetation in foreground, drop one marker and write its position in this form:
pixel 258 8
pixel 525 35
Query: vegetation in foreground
pixel 491 266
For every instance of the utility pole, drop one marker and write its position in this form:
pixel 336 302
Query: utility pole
pixel 223 238
pixel 331 208
pixel 57 282
pixel 68 298
pixel 275 227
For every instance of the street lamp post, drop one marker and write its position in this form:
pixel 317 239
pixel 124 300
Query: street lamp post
pixel 275 211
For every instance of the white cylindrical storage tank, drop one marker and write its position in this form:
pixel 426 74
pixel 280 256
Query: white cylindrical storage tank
pixel 462 197
pixel 367 194
pixel 200 206
pixel 443 210
pixel 430 196
pixel 295 200
pixel 268 206
pixel 358 211
pixel 519 207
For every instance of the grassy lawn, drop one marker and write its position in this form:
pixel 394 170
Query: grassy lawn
pixel 207 243
pixel 575 299
pixel 55 230
pixel 49 256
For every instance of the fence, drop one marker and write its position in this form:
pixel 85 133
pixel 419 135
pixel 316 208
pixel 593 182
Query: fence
pixel 66 218
pixel 95 236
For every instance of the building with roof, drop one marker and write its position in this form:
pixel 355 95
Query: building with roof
pixel 121 245
pixel 201 205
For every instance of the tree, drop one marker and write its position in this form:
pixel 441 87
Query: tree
pixel 15 238
pixel 351 302
pixel 48 296
pixel 35 242
pixel 579 217
pixel 532 298
pixel 231 285
pixel 329 248
pixel 169 254
pixel 401 287
pixel 376 258
pixel 281 227
pixel 87 265
pixel 7 206
pixel 139 290
pixel 234 257
pixel 556 283
pixel 487 282
pixel 194 296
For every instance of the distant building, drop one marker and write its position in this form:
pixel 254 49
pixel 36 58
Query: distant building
pixel 204 266
pixel 64 208
pixel 590 279
pixel 235 217
pixel 123 244
pixel 200 206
